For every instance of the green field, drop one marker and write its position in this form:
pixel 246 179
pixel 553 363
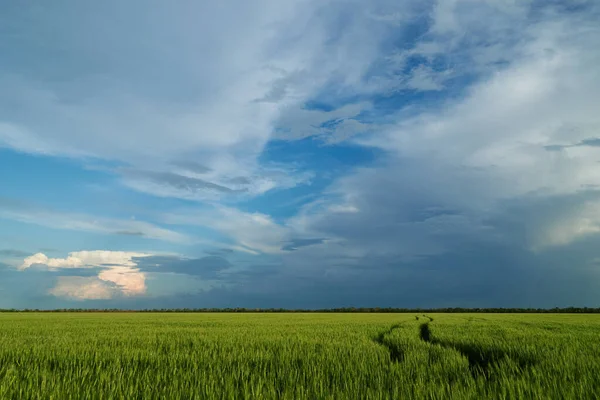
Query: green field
pixel 298 356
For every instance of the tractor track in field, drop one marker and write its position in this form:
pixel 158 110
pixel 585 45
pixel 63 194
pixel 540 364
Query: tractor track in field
pixel 481 359
pixel 395 350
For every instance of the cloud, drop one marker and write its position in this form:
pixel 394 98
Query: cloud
pixel 550 223
pixel 473 171
pixel 423 78
pixel 297 243
pixel 570 227
pixel 331 126
pixel 219 252
pixel 117 276
pixel 208 267
pixel 130 281
pixel 87 259
pixel 208 186
pixel 590 142
pixel 23 212
pixel 476 153
pixel 80 288
pixel 130 233
pixel 179 184
pixel 105 276
pixel 255 232
pixel 483 114
pixel 13 253
pixel 194 84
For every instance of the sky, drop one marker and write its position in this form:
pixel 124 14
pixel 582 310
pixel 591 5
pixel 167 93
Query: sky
pixel 299 153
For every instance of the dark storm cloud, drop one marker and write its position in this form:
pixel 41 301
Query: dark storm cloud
pixel 471 276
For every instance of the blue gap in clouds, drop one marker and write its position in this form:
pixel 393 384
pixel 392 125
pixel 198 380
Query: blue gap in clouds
pixel 51 181
pixel 328 162
pixel 64 184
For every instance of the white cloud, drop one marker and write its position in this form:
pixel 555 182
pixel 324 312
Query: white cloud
pixel 196 82
pixel 41 258
pixel 80 288
pixel 85 259
pixel 567 226
pixel 548 96
pixel 118 275
pixel 254 232
pixel 129 280
pixel 450 169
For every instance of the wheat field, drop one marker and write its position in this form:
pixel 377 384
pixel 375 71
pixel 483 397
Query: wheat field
pixel 298 356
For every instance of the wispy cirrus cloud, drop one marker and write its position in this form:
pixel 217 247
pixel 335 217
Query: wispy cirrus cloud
pixel 31 214
pixel 255 232
pixel 186 183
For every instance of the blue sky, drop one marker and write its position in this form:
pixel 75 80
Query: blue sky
pixel 300 154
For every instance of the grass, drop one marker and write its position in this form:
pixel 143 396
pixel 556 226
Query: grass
pixel 299 356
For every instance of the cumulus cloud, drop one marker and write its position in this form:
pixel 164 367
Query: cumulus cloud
pixel 118 275
pixel 129 280
pixel 88 259
pixel 80 288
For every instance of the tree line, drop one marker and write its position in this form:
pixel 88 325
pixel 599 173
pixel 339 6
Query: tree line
pixel 499 310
